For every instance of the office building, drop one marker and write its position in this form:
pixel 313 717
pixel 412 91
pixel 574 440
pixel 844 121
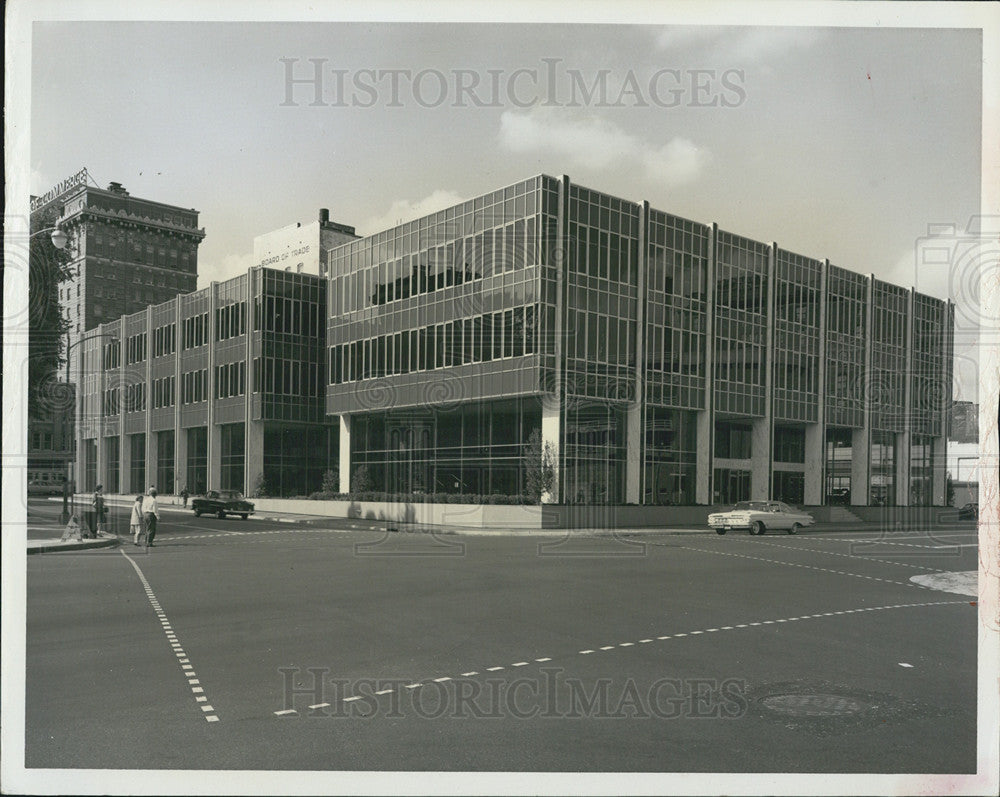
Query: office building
pixel 661 361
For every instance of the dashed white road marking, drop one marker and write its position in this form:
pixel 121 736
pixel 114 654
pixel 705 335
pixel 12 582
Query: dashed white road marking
pixel 806 567
pixel 847 555
pixel 818 615
pixel 186 668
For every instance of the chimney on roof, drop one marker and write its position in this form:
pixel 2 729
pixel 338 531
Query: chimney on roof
pixel 117 188
pixel 324 215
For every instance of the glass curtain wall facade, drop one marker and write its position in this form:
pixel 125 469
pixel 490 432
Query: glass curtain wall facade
pixel 662 361
pixel 435 328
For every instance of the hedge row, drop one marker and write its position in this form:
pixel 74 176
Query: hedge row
pixel 426 498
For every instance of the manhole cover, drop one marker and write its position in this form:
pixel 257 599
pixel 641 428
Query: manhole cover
pixel 814 705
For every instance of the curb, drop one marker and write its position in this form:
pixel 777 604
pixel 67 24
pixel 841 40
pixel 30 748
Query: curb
pixel 33 546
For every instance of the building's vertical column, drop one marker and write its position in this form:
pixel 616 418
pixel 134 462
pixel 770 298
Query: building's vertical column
pixel 122 381
pixel 635 414
pixel 81 409
pixel 903 439
pixel 152 439
pixel 815 475
pixel 556 254
pixel 705 423
pixel 939 443
pixel 253 444
pixel 861 439
pixel 344 468
pixel 762 429
pixel 103 424
pixel 214 430
pixel 180 434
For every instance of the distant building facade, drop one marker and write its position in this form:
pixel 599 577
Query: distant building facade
pixel 125 253
pixel 301 247
pixel 660 361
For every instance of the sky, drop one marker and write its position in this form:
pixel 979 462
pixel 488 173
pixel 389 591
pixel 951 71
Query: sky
pixel 838 143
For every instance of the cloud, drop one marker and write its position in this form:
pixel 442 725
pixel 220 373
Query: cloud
pixel 404 210
pixel 738 45
pixel 595 144
pixel 231 265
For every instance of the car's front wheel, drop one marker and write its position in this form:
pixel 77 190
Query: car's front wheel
pixel 197 513
pixel 720 531
pixel 795 528
pixel 244 516
pixel 222 514
pixel 757 528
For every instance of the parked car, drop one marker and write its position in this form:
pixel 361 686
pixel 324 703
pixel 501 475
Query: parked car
pixel 222 503
pixel 969 512
pixel 759 516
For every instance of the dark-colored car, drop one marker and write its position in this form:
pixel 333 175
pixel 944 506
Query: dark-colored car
pixel 969 512
pixel 222 503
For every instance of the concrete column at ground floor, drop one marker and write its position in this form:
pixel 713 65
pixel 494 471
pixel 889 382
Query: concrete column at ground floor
pixel 703 463
pixel 344 461
pixel 214 457
pixel 902 456
pixel 939 471
pixel 861 475
pixel 152 458
pixel 633 453
pixel 815 451
pixel 254 469
pixel 760 459
pixel 551 430
pixel 180 458
pixel 125 467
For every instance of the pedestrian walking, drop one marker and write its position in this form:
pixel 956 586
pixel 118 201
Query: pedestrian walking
pixel 99 509
pixel 135 523
pixel 184 495
pixel 150 514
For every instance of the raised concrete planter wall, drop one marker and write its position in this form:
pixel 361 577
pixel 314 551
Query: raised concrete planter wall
pixel 459 515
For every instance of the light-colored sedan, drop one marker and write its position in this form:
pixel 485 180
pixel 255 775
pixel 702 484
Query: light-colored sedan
pixel 758 517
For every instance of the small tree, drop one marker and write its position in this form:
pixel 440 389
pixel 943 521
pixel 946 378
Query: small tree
pixel 331 482
pixel 260 486
pixel 539 470
pixel 362 480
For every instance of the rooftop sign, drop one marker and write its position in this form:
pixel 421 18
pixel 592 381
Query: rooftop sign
pixel 80 178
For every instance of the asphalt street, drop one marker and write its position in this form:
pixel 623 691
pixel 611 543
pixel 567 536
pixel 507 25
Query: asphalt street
pixel 254 644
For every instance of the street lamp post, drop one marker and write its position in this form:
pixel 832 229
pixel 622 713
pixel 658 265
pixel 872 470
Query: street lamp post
pixel 59 240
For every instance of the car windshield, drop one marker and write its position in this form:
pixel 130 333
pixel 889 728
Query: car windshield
pixel 747 506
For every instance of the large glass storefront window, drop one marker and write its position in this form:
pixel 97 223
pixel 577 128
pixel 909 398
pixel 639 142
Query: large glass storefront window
pixel 197 460
pixel 594 460
pixel 137 466
pixel 233 455
pixel 789 486
pixel 730 485
pixel 112 466
pixel 295 458
pixel 920 471
pixel 883 483
pixel 671 453
pixel 838 465
pixel 165 461
pixel 473 448
pixel 732 440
